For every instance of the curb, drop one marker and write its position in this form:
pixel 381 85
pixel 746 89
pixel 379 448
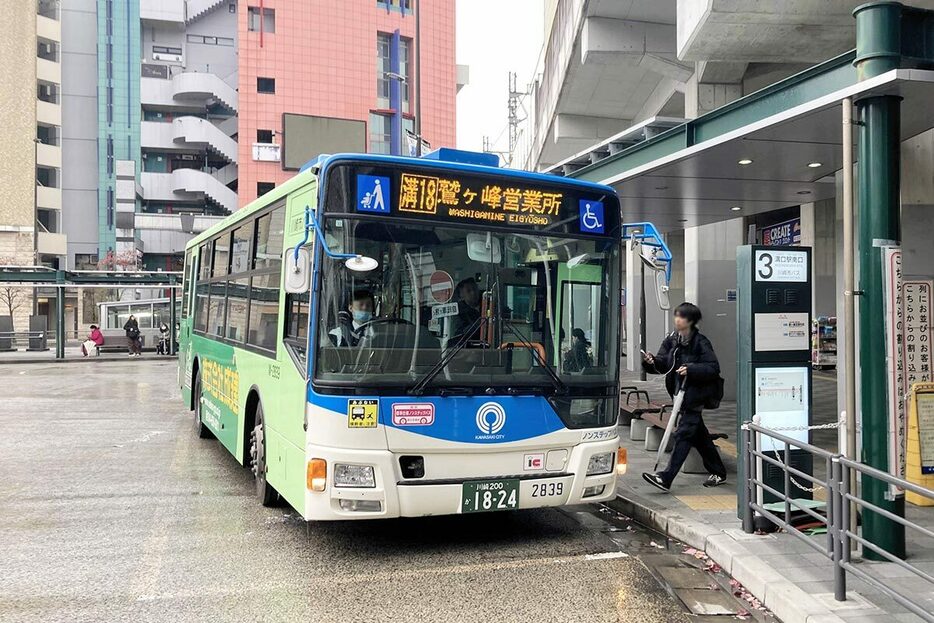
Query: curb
pixel 779 594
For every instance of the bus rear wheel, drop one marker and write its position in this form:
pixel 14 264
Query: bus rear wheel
pixel 264 490
pixel 202 430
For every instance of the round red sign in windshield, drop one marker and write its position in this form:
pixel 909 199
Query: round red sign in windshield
pixel 442 286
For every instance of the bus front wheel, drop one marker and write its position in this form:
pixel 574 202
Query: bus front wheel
pixel 203 431
pixel 264 491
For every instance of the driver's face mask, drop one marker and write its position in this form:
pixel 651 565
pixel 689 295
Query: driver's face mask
pixel 362 316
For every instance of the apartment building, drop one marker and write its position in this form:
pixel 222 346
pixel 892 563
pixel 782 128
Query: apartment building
pixel 30 147
pixel 177 112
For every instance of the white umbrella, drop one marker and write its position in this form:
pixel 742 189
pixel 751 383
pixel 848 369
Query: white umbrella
pixel 672 423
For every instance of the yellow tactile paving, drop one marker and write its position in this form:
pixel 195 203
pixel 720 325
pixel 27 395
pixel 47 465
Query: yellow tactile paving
pixel 708 502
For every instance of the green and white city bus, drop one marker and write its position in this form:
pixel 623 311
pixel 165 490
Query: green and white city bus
pixel 386 337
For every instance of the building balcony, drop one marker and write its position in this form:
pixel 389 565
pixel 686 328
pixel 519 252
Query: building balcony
pixel 167 11
pixel 187 223
pixel 50 243
pixel 48 28
pixel 188 90
pixel 48 71
pixel 49 156
pixel 48 113
pixel 49 198
pixel 188 186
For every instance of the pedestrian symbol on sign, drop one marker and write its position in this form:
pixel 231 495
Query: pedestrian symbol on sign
pixel 372 191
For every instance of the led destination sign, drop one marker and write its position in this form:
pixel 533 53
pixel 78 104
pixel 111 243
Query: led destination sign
pixel 465 197
pixel 495 202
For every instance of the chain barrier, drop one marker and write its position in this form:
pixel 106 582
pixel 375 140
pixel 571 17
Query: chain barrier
pixel 797 429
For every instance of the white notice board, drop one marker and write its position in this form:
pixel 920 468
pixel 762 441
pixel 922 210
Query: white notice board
pixel 781 332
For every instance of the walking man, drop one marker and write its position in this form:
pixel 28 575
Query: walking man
pixel 689 364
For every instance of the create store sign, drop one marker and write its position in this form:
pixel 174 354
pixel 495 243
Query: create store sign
pixel 783 234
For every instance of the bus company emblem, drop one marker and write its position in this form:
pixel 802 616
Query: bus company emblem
pixel 491 417
pixel 413 414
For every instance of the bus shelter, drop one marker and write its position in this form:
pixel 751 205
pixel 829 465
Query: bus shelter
pixel 787 145
pixel 36 277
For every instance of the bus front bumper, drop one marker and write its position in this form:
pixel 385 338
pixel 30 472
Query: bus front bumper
pixel 395 496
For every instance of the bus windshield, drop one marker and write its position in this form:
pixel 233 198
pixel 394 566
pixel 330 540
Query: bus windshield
pixel 501 310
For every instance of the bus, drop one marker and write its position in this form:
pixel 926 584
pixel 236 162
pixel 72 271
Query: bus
pixel 386 337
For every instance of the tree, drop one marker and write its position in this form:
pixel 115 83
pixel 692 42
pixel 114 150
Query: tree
pixel 12 299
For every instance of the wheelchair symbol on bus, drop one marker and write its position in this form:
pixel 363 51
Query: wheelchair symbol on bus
pixel 591 216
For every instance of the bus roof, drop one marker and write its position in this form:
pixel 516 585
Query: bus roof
pixel 437 159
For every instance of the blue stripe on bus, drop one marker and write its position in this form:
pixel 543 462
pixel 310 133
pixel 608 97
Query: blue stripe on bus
pixel 463 419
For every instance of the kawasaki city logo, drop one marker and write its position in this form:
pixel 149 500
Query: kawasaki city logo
pixel 491 417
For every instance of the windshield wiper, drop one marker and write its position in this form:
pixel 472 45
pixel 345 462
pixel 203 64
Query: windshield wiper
pixel 560 385
pixel 419 388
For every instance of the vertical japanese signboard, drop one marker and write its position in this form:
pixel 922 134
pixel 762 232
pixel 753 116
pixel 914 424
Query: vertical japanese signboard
pixel 894 323
pixel 916 332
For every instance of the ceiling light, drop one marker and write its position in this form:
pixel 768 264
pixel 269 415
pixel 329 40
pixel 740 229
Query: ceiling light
pixel 813 165
pixel 735 208
pixel 745 161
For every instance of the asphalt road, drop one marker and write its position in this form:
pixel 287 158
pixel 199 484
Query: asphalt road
pixel 111 509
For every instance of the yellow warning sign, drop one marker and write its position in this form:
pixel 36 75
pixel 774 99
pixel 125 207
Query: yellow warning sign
pixel 362 413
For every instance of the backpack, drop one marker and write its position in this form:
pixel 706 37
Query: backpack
pixel 714 394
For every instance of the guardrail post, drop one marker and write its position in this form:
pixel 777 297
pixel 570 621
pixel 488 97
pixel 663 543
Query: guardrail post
pixel 60 315
pixel 846 522
pixel 837 504
pixel 746 449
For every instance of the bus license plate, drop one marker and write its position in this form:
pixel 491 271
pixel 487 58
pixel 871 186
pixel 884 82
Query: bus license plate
pixel 489 495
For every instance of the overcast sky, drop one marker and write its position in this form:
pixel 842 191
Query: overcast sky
pixel 494 37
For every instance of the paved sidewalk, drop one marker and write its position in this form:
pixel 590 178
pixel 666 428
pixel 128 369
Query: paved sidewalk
pixel 792 579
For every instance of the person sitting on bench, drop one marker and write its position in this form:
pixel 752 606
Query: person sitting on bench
pixel 95 339
pixel 688 361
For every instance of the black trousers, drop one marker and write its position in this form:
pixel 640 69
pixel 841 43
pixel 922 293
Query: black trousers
pixel 692 432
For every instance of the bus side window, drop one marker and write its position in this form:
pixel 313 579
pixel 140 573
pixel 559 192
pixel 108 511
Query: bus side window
pixel 186 284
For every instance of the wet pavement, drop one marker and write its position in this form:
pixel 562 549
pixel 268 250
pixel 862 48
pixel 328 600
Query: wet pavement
pixel 111 509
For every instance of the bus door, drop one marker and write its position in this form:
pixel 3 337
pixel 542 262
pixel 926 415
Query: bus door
pixel 184 322
pixel 578 294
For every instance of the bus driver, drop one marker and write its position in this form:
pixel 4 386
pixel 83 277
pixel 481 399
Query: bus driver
pixel 351 323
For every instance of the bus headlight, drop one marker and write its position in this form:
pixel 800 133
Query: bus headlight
pixel 600 464
pixel 354 475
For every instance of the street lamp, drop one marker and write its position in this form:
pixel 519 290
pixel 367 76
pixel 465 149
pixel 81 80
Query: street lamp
pixel 35 221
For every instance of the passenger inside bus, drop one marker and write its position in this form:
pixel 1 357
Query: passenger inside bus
pixel 467 295
pixel 352 321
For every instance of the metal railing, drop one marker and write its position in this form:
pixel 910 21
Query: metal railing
pixel 835 477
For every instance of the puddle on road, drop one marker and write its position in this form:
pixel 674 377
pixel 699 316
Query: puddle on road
pixel 687 574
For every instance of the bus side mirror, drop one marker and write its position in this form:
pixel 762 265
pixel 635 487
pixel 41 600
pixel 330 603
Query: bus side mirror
pixel 297 272
pixel 661 290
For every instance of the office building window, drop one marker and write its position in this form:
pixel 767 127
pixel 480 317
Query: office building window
pixel 209 40
pixel 398 5
pixel 265 85
pixel 264 187
pixel 380 134
pixel 261 19
pixel 384 73
pixel 264 136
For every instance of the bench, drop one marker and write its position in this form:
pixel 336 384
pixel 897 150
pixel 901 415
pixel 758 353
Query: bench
pixel 633 412
pixel 118 344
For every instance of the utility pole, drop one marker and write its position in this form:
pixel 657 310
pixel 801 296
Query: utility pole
pixel 514 120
